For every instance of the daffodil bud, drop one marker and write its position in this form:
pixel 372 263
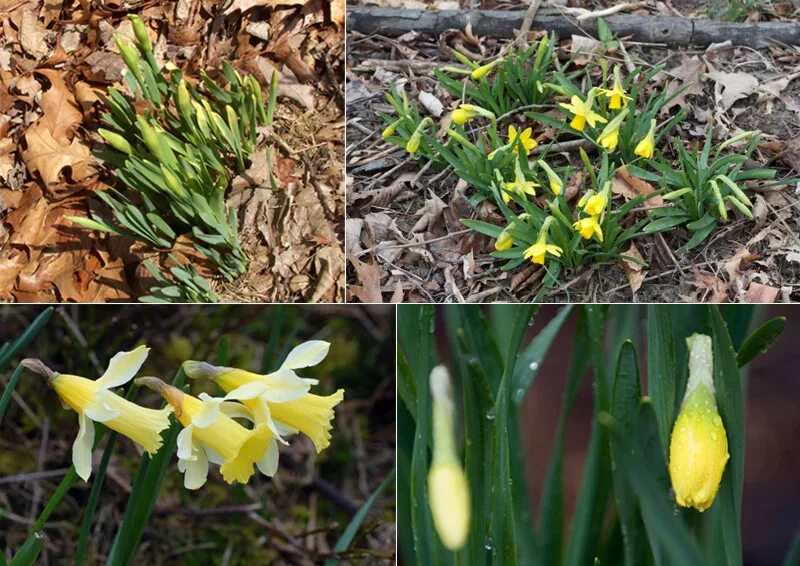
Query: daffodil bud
pixel 116 141
pixel 723 211
pixel 140 31
pixel 483 70
pixel 390 129
pixel 740 206
pixel 738 192
pixel 504 241
pixel 448 490
pixel 149 136
pixel 672 195
pixel 698 448
pixel 184 101
pixel 130 56
pixel 416 138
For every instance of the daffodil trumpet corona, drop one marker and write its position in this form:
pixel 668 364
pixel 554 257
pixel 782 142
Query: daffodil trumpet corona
pixel 94 401
pixel 280 400
pixel 448 490
pixel 698 450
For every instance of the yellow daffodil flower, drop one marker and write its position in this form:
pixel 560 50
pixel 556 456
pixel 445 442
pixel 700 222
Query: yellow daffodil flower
pixel 504 241
pixel 211 435
pixel 588 227
pixel 94 401
pixel 448 490
pixel 524 137
pixel 538 251
pixel 556 184
pixel 582 111
pixel 390 129
pixel 483 70
pixel 281 399
pixel 617 98
pixel 466 112
pixel 609 137
pixel 594 204
pixel 519 185
pixel 646 147
pixel 413 142
pixel 698 448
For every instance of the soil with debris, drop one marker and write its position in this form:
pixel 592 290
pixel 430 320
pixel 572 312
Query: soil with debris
pixel 58 59
pixel 404 238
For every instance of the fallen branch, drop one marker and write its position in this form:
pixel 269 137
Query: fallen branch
pixel 651 29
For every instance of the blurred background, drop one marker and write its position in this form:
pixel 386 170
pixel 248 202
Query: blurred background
pixel 294 518
pixel 771 508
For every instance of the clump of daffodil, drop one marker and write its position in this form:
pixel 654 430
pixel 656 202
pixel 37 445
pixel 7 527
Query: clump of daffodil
pixel 617 98
pixel 588 227
pixel 483 70
pixel 582 111
pixel 520 185
pixel 609 137
pixel 93 400
pixel 524 137
pixel 538 251
pixel 279 400
pixel 556 184
pixel 211 435
pixel 698 449
pixel 466 112
pixel 646 147
pixel 448 490
pixel 413 142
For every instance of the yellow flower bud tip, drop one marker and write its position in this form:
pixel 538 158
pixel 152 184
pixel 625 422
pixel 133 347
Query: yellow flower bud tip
pixel 448 489
pixel 116 141
pixel 698 449
pixel 141 33
pixel 412 146
pixel 483 70
pixel 390 129
pixel 646 147
pixel 504 241
pixel 460 116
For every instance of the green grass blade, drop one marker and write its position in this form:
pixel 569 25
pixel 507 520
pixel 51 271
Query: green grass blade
pixel 405 446
pixel 758 342
pixel 739 319
pixel 793 554
pixel 551 509
pixel 25 338
pixel 661 368
pixel 29 551
pixel 5 400
pixel 142 499
pixel 355 523
pixel 501 520
pixel 625 408
pixel 727 509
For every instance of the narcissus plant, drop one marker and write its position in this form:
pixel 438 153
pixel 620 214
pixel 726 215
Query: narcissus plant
pixel 698 449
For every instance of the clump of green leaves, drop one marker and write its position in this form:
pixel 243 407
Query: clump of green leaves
pixel 704 187
pixel 175 149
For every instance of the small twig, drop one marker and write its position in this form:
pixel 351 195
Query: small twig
pixel 378 247
pixel 607 11
pixel 75 330
pixel 32 476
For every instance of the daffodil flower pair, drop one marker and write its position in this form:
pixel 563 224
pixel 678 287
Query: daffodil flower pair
pixel 537 253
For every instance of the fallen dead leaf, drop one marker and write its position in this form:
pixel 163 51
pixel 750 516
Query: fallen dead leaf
pixel 635 272
pixel 631 187
pixel 48 157
pixel 369 277
pixel 429 213
pixel 688 74
pixel 759 293
pixel 32 35
pixel 733 87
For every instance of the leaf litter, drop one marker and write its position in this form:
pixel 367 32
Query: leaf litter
pixel 56 62
pixel 435 259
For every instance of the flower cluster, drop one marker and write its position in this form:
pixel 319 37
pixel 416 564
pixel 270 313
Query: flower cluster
pixel 272 407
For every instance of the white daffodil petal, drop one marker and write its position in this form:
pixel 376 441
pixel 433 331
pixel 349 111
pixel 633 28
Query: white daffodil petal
pixel 196 471
pixel 283 429
pixel 284 385
pixel 247 391
pixel 122 367
pixel 186 450
pixel 82 447
pixel 306 354
pixel 213 456
pixel 236 411
pixel 209 413
pixel 100 410
pixel 268 465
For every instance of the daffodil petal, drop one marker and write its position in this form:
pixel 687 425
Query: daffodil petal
pixel 284 385
pixel 100 411
pixel 186 449
pixel 268 465
pixel 213 456
pixel 195 472
pixel 283 428
pixel 247 391
pixel 236 411
pixel 82 447
pixel 306 354
pixel 123 367
pixel 209 413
